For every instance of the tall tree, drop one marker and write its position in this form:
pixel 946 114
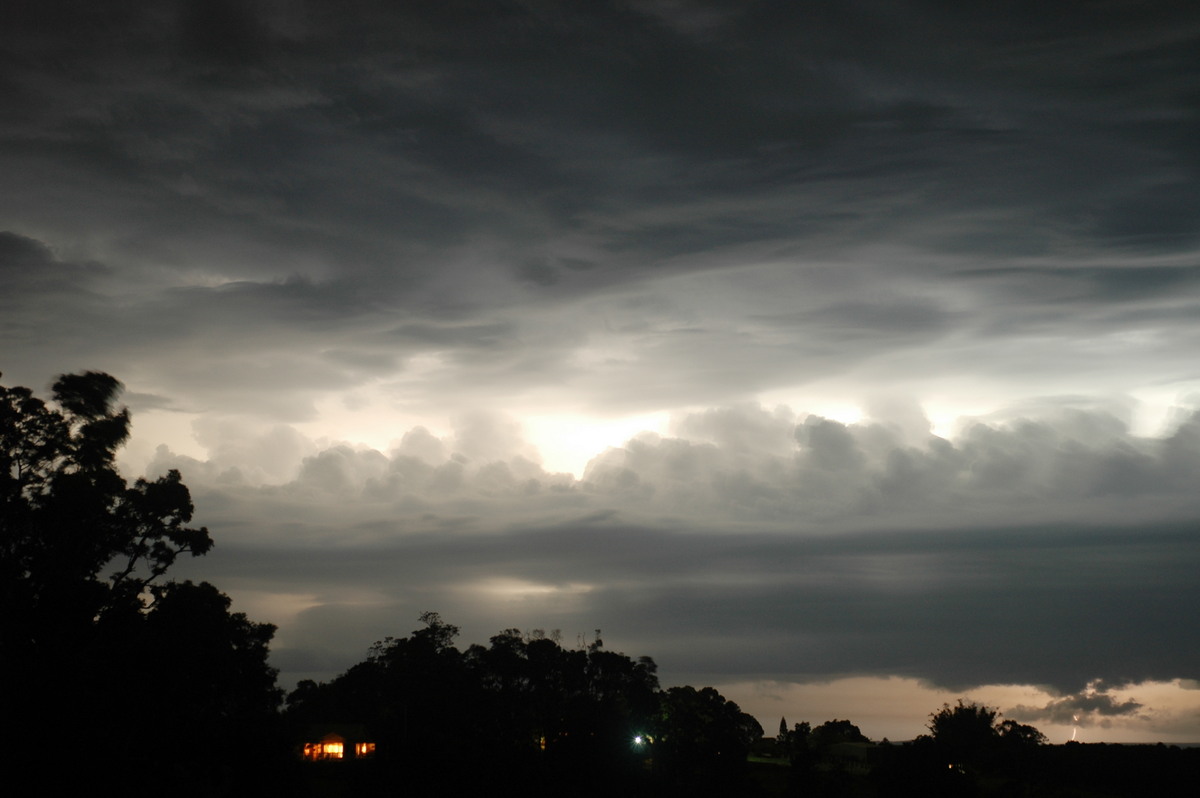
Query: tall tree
pixel 964 732
pixel 836 731
pixel 77 543
pixel 975 736
pixel 123 668
pixel 701 741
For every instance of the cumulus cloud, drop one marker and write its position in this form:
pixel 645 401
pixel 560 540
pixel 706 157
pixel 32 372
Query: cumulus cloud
pixel 1080 461
pixel 775 544
pixel 1091 706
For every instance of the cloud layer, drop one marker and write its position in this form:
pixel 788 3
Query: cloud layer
pixel 1054 552
pixel 563 204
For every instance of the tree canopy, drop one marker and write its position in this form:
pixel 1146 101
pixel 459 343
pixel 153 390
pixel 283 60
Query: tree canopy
pixel 583 721
pixel 103 645
pixel 78 544
pixel 973 735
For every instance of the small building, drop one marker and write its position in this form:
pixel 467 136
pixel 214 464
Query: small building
pixel 337 743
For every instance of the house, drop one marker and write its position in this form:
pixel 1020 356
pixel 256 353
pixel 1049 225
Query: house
pixel 337 743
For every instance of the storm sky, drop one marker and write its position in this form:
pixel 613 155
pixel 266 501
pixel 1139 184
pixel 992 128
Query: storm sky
pixel 841 355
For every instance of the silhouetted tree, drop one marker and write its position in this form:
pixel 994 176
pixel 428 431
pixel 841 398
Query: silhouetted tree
pixel 972 736
pixel 209 663
pixel 1019 734
pixel 797 746
pixel 116 668
pixel 77 542
pixel 832 732
pixel 702 740
pixel 565 712
pixel 965 734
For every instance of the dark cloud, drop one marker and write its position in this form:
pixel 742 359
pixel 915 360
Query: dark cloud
pixel 1122 284
pixel 1086 708
pixel 451 104
pixel 30 270
pixel 328 170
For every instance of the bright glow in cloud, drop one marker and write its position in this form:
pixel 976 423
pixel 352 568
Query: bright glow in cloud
pixel 517 589
pixel 567 442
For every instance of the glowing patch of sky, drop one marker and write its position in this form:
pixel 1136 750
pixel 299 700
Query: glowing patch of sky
pixel 568 441
pixel 154 428
pixel 899 708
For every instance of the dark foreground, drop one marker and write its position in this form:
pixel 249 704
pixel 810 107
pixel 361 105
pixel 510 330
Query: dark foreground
pixel 1060 771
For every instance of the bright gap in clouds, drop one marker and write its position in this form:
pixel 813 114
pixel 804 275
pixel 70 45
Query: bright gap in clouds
pixel 565 441
pixel 153 428
pixel 1158 409
pixel 568 441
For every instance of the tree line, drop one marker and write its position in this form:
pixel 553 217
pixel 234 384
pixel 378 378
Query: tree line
pixel 583 721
